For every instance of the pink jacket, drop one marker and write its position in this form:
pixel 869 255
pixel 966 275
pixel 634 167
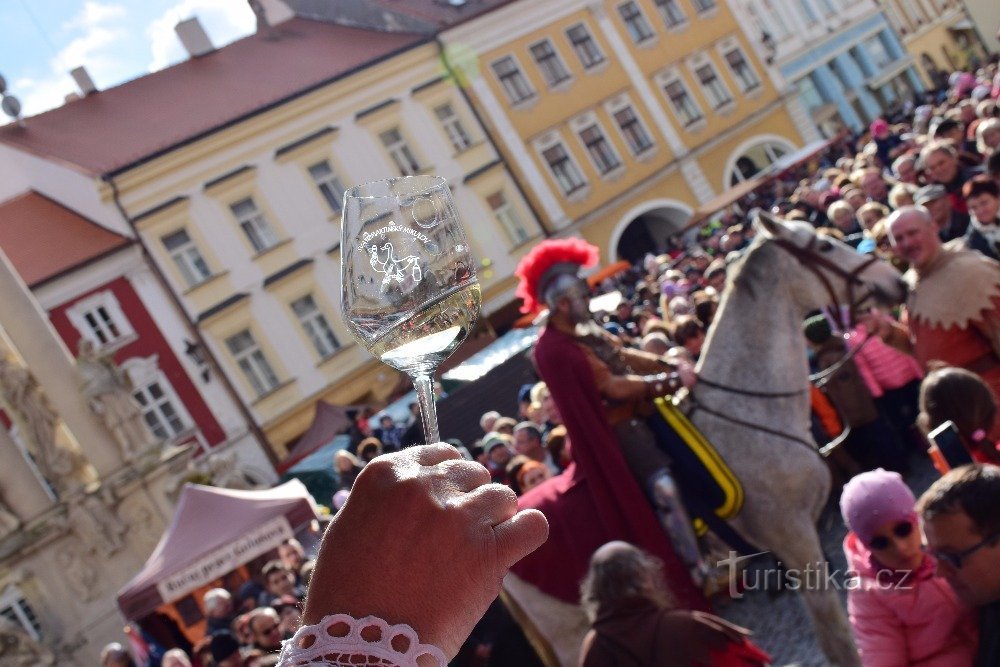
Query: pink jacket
pixel 911 621
pixel 882 366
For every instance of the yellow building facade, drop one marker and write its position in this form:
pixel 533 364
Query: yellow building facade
pixel 615 114
pixel 244 223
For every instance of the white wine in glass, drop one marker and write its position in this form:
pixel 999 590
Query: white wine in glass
pixel 410 294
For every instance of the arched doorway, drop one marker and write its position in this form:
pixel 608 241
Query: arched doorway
pixel 646 229
pixel 753 156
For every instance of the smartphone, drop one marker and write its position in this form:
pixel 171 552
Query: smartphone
pixel 945 437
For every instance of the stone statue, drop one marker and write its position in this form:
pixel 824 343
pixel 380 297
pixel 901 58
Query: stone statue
pixel 109 393
pixel 19 649
pixel 79 572
pixel 37 422
pixel 96 523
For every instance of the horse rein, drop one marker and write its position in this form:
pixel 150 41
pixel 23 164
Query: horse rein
pixel 808 257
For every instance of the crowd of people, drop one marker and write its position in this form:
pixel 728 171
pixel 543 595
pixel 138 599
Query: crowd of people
pixel 921 190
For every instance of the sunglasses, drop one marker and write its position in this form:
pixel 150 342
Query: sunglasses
pixel 957 559
pixel 901 530
pixel 267 631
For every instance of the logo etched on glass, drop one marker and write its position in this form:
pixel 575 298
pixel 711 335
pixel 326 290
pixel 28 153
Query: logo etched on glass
pixel 385 262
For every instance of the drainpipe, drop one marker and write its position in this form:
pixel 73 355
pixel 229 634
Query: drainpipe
pixel 192 327
pixel 489 137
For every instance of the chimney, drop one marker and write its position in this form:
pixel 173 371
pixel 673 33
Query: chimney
pixel 83 80
pixel 193 37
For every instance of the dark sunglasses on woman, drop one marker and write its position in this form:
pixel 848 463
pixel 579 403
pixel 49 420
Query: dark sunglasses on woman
pixel 901 530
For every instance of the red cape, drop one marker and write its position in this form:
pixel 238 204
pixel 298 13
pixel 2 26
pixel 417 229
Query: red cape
pixel 596 500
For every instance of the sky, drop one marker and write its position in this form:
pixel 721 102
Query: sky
pixel 116 40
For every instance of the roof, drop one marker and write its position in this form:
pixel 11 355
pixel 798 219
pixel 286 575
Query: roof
pixel 213 532
pixel 111 130
pixel 44 239
pixel 443 13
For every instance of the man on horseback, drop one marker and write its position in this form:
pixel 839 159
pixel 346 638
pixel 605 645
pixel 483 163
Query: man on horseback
pixel 599 388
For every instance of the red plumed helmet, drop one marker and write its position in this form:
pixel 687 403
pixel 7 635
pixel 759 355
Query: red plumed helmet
pixel 556 255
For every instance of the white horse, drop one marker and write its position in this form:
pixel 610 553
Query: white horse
pixel 753 405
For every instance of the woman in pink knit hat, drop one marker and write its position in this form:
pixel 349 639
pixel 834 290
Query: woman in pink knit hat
pixel 901 613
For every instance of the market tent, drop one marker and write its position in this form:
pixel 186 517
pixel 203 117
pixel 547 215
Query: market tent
pixel 213 532
pixel 329 421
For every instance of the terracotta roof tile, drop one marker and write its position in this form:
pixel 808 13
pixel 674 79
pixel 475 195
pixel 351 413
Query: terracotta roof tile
pixel 118 127
pixel 43 239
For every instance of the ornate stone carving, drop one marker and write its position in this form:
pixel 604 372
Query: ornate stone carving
pixel 93 518
pixel 77 568
pixel 37 424
pixel 109 392
pixel 19 649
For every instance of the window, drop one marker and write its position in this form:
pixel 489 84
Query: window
pixel 549 62
pixel 400 152
pixel 508 217
pixel 253 223
pixel 808 93
pixel 877 52
pixel 252 362
pixel 671 12
pixel 185 254
pixel 703 5
pixel 453 127
pixel 158 411
pixel 632 129
pixel 685 108
pixel 16 609
pixel 585 46
pixel 314 323
pixel 635 22
pixel 600 150
pixel 714 89
pixel 99 319
pixel 744 74
pixel 565 171
pixel 329 185
pixel 512 79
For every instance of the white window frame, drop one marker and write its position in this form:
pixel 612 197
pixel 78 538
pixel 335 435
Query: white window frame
pixel 587 47
pixel 105 313
pixel 316 327
pixel 187 258
pixel 452 125
pixel 672 77
pixel 745 87
pixel 399 151
pixel 520 90
pixel 507 215
pixel 254 225
pixel 574 168
pixel 15 607
pixel 253 363
pixel 641 20
pixel 143 372
pixel 719 99
pixel 552 66
pixel 674 19
pixel 589 148
pixel 329 185
pixel 624 105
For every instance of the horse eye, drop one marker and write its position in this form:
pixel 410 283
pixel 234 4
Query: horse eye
pixel 824 246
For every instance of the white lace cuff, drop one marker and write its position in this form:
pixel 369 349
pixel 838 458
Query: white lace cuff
pixel 344 641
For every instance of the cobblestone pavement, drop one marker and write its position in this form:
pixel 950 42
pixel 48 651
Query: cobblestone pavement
pixel 779 622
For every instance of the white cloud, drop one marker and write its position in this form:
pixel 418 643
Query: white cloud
pixel 98 27
pixel 223 20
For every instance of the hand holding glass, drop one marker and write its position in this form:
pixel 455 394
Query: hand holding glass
pixel 410 294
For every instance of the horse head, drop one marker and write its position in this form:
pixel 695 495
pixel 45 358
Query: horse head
pixel 822 271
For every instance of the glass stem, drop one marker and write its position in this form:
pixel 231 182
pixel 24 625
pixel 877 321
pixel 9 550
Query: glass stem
pixel 424 386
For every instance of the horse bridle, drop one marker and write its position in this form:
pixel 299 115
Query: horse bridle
pixel 813 261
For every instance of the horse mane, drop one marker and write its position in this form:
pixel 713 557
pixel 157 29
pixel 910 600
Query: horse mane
pixel 754 267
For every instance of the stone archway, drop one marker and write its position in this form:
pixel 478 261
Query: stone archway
pixel 754 155
pixel 646 228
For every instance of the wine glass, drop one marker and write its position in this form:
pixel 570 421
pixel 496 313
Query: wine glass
pixel 410 294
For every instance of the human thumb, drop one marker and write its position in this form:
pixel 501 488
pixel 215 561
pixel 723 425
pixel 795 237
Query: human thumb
pixel 519 535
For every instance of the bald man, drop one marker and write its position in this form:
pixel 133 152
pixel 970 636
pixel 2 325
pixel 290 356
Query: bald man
pixel 953 309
